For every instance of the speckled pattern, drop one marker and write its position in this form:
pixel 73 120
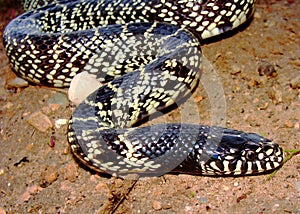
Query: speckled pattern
pixel 37 41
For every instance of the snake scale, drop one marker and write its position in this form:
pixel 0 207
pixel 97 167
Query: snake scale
pixel 147 52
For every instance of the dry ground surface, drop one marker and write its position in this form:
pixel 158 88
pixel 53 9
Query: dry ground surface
pixel 259 69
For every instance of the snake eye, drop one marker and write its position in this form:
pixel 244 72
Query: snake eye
pixel 250 155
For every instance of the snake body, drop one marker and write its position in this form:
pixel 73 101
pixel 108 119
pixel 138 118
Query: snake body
pixel 148 54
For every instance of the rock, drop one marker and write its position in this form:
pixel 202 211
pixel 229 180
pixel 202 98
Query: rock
pixel 39 121
pixel 17 83
pixel 188 210
pixel 226 188
pixel 275 95
pixel 235 69
pixel 295 82
pixel 257 15
pixel 266 69
pixel 2 210
pixel 59 99
pixel 60 122
pixel 101 187
pixel 8 105
pixel 203 200
pixel 32 190
pixel 275 207
pixel 289 124
pixel 70 172
pixel 298 185
pixel 49 176
pixel 81 86
pixel 156 205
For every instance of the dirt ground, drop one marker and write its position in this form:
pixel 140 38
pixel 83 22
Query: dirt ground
pixel 259 69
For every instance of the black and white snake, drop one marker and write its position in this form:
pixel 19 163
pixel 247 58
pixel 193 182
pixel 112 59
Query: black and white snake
pixel 148 54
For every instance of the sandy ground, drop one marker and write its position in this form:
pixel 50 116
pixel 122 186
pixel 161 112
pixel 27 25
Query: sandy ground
pixel 259 71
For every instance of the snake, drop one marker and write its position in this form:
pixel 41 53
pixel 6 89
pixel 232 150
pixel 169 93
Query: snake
pixel 147 53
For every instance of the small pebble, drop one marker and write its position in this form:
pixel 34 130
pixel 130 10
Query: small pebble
pixel 66 150
pixel 295 82
pixel 264 106
pixel 59 99
pixel 17 83
pixel 255 100
pixel 203 200
pixel 226 188
pixel 235 69
pixel 32 190
pixel 296 62
pixel 167 206
pixel 288 124
pixel 266 69
pixel 156 205
pixel 66 185
pixel 94 178
pixel 157 192
pixel 46 110
pixel 24 197
pixel 8 105
pixel 49 176
pixel 298 185
pixel 253 83
pixel 70 172
pixel 257 15
pixel 60 122
pixel 199 99
pixel 101 187
pixel 275 95
pixel 188 209
pixel 275 207
pixel 39 121
pixel 2 210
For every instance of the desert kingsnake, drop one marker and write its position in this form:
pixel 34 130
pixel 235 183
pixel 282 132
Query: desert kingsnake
pixel 148 54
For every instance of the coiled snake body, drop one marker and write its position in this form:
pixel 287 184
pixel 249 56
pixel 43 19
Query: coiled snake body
pixel 148 54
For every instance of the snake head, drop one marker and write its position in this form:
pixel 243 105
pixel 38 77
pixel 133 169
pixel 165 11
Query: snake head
pixel 240 153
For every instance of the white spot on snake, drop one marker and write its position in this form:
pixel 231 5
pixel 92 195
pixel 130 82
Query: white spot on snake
pixel 238 166
pixel 214 166
pixel 50 77
pixel 258 149
pixel 276 164
pixel 229 13
pixel 206 34
pixel 249 166
pixel 258 164
pixel 210 14
pixel 226 166
pixel 269 152
pixel 97 152
pixel 236 23
pixel 260 156
pixel 211 26
pixel 268 166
